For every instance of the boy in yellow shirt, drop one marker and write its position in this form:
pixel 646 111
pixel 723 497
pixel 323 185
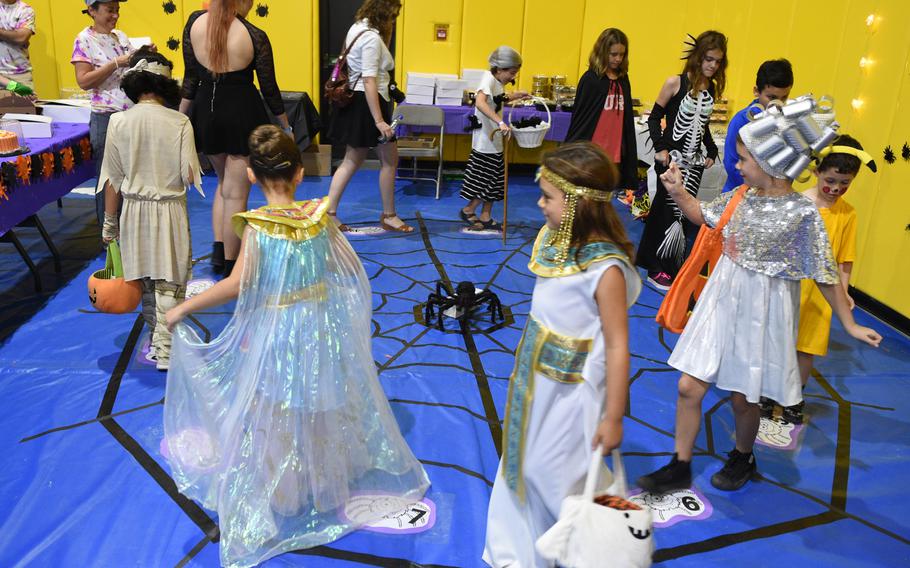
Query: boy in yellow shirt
pixel 835 173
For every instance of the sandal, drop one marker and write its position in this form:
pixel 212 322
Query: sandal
pixel 403 228
pixel 471 219
pixel 491 225
pixel 341 226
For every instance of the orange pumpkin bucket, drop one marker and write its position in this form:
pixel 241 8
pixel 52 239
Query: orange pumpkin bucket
pixel 108 291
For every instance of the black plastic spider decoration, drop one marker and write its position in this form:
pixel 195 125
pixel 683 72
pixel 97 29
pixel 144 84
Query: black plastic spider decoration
pixel 905 152
pixel 169 7
pixel 262 10
pixel 889 155
pixel 173 43
pixel 466 299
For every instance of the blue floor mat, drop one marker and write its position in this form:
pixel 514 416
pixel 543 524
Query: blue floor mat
pixel 83 482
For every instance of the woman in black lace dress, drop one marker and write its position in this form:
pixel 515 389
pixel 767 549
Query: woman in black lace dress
pixel 221 51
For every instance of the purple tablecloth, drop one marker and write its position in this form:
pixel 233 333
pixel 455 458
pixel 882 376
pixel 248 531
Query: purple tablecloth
pixel 457 120
pixel 25 200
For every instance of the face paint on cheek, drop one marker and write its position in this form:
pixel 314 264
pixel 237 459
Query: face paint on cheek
pixel 826 190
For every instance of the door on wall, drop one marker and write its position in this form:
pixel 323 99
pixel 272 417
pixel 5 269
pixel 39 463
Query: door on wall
pixel 335 17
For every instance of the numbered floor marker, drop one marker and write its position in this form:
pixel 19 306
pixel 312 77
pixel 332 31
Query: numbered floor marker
pixel 196 287
pixel 675 506
pixel 778 434
pixel 364 231
pixel 145 355
pixel 396 515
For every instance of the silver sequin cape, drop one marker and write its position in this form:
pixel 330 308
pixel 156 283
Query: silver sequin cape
pixel 781 237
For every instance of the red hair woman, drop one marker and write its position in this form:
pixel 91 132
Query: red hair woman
pixel 221 52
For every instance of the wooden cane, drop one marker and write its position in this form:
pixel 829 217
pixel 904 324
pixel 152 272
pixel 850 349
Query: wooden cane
pixel 506 144
pixel 506 138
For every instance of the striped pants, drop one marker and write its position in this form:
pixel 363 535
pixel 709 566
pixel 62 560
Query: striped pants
pixel 484 177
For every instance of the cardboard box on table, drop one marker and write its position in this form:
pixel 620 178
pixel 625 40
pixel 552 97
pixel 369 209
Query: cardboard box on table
pixel 317 160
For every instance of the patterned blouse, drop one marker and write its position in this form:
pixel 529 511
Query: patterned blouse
pixel 14 58
pixel 100 49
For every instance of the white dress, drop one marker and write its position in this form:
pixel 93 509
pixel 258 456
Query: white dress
pixel 565 409
pixel 742 332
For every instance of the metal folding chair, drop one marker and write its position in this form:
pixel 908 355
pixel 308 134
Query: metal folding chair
pixel 423 115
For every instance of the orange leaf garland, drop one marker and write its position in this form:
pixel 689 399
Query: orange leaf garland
pixel 69 162
pixel 24 169
pixel 47 165
pixel 86 146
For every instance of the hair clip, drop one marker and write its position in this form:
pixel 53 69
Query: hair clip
pixel 692 42
pixel 261 163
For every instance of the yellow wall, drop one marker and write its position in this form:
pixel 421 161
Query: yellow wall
pixel 292 26
pixel 824 40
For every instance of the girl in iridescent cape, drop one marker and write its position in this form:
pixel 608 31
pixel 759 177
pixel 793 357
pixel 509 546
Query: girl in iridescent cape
pixel 570 385
pixel 280 424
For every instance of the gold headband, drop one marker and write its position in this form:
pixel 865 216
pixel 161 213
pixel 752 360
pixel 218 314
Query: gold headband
pixel 568 187
pixel 562 238
pixel 863 156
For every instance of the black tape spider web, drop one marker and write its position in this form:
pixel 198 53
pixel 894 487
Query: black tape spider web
pixel 513 283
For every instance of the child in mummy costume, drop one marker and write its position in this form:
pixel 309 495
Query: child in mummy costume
pixel 742 333
pixel 570 384
pixel 280 424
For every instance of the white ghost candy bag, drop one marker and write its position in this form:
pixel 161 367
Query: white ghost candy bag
pixel 590 530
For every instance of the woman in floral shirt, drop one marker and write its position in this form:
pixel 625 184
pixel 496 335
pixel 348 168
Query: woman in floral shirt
pixel 100 56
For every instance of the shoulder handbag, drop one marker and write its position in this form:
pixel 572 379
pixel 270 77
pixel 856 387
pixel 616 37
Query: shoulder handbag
pixel 337 91
pixel 607 530
pixel 680 300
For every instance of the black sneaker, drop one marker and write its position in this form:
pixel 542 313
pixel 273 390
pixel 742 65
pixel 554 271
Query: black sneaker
pixel 766 407
pixel 675 475
pixel 794 414
pixel 739 469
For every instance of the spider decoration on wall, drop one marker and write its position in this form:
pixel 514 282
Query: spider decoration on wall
pixel 173 43
pixel 262 10
pixel 905 152
pixel 169 7
pixel 466 299
pixel 889 155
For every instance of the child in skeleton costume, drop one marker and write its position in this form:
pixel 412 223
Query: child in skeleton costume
pixel 150 159
pixel 569 388
pixel 279 424
pixel 484 175
pixel 686 100
pixel 742 333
